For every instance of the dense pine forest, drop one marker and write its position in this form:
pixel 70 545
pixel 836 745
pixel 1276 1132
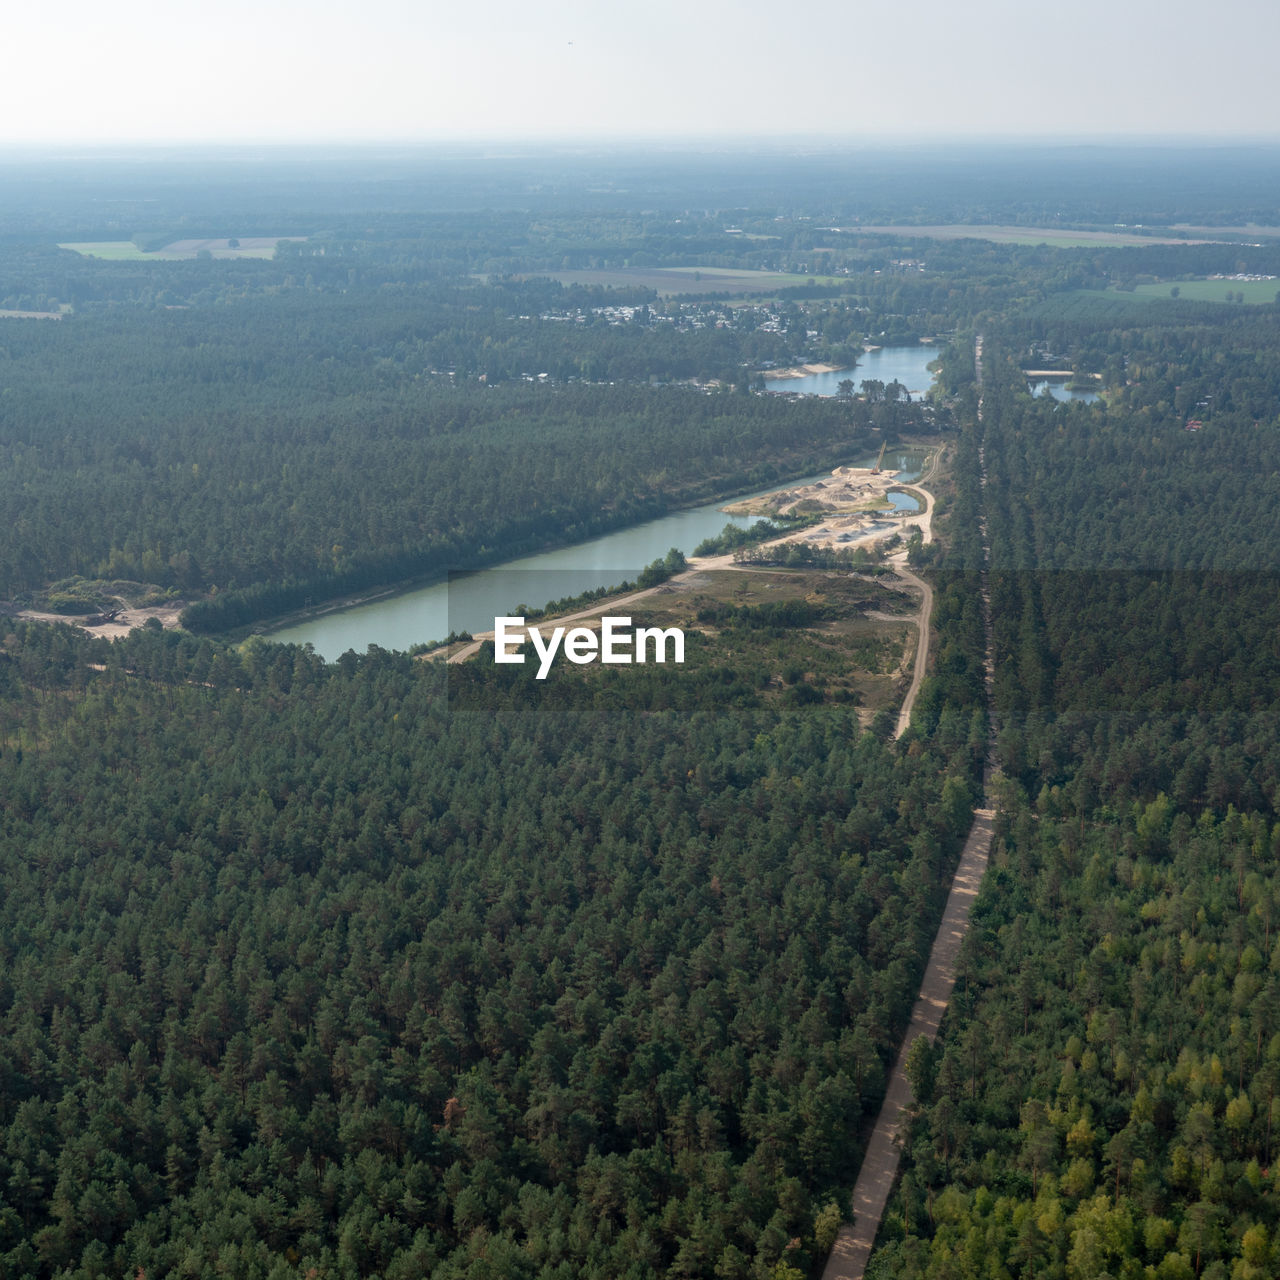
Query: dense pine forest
pixel 1104 1100
pixel 334 967
pixel 387 968
pixel 263 450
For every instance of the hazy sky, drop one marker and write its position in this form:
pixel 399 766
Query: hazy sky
pixel 398 69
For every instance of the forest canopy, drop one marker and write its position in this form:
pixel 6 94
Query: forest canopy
pixel 378 968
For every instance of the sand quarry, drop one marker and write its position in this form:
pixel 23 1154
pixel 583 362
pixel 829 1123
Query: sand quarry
pixel 854 506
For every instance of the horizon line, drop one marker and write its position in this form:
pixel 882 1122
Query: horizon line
pixel 638 141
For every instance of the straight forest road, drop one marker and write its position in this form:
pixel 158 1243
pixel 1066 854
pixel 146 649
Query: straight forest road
pixel 852 1248
pixel 848 1259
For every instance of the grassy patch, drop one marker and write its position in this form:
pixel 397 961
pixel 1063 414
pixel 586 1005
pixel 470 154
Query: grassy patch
pixel 179 250
pixel 1257 293
pixel 804 637
pixel 1097 306
pixel 77 596
pixel 1110 304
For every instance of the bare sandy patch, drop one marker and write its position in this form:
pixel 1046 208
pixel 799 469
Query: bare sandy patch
pixel 847 489
pixel 118 625
pixel 802 370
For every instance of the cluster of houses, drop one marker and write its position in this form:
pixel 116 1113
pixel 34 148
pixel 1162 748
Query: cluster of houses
pixel 682 316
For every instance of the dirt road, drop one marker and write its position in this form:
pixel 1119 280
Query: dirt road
pixel 124 620
pixel 848 1259
pixel 613 602
pixel 922 650
pixel 899 563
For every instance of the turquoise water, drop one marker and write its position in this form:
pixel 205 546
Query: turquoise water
pixel 470 602
pixel 885 364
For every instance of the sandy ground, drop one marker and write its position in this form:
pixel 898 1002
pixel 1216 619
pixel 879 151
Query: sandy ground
pixel 125 620
pixel 846 489
pixel 615 602
pixel 802 371
pixel 854 498
pixel 854 486
pixel 848 1259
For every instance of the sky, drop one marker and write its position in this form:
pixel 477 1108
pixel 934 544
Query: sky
pixel 336 70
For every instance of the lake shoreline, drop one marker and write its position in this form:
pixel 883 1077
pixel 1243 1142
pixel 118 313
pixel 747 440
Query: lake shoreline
pixel 268 627
pixel 628 547
pixel 804 370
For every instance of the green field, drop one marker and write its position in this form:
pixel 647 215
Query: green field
pixel 1057 237
pixel 179 250
pixel 1251 230
pixel 113 250
pixel 1256 292
pixel 1115 302
pixel 674 280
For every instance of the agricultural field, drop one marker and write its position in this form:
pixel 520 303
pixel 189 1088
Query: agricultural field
pixel 248 247
pixel 179 250
pixel 1252 230
pixel 668 281
pixel 1058 237
pixel 111 250
pixel 1255 292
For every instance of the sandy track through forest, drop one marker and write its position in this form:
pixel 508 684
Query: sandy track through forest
pixel 849 1257
pixel 922 651
pixel 926 601
pixel 853 1244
